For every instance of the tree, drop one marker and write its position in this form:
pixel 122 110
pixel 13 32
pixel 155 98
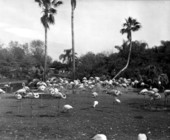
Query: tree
pixel 37 51
pixel 73 6
pixel 67 57
pixel 48 9
pixel 130 26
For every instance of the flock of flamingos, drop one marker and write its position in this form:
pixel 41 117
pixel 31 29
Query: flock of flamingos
pixel 55 87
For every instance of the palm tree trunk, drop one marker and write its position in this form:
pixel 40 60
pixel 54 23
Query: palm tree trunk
pixel 73 52
pixel 72 32
pixel 45 59
pixel 130 50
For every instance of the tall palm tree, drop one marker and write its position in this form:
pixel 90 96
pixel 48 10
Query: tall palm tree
pixel 73 6
pixel 131 25
pixel 49 10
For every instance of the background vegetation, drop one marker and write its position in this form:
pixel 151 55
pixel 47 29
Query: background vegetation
pixel 26 61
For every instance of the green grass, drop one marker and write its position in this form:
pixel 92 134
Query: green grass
pixel 120 121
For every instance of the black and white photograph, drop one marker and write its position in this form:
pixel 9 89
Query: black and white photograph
pixel 85 70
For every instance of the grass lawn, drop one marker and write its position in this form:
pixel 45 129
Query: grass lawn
pixel 118 121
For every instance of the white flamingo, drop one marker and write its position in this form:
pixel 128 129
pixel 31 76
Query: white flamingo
pixel 95 94
pixel 117 100
pixel 2 91
pixel 67 107
pixel 154 97
pixel 95 103
pixel 115 94
pixel 36 95
pixel 142 136
pixel 58 95
pixel 99 137
pixel 19 97
pixel 23 91
pixel 144 92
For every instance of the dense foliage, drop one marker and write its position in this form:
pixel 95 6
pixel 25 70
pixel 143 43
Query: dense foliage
pixel 146 64
pixel 20 61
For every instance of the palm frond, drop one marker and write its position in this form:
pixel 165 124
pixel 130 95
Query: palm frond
pixel 124 30
pixel 130 20
pixel 125 25
pixel 51 19
pixel 47 2
pixel 53 11
pixel 68 51
pixel 73 4
pixel 57 3
pixel 136 28
pixel 39 2
pixel 61 56
pixel 44 21
pixel 136 23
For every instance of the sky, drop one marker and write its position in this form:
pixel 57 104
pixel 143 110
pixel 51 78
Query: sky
pixel 97 24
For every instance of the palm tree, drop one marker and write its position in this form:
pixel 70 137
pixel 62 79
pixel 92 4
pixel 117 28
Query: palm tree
pixel 49 10
pixel 73 6
pixel 130 26
pixel 67 57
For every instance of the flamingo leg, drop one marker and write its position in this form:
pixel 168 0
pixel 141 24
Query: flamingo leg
pixel 18 107
pixel 144 100
pixel 31 107
pixel 165 101
pixel 58 106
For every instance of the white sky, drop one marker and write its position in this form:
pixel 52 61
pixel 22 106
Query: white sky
pixel 97 24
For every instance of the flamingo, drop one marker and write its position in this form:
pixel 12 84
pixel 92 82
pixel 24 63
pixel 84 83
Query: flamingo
pixel 95 103
pixel 67 107
pixel 7 86
pixel 36 95
pixel 154 97
pixel 117 100
pixel 2 91
pixel 19 97
pixel 142 136
pixel 58 95
pixel 144 92
pixel 114 93
pixel 100 137
pixel 95 94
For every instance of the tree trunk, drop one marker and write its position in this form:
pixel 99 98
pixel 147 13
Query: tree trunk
pixel 130 50
pixel 72 32
pixel 45 59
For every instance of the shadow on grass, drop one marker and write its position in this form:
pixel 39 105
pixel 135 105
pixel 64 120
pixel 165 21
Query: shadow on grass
pixel 139 117
pixel 86 108
pixel 9 112
pixel 46 115
pixel 22 116
pixel 147 107
pixel 43 106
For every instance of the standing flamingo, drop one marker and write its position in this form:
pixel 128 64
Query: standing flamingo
pixel 58 95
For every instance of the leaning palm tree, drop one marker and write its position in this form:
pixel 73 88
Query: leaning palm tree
pixel 48 9
pixel 130 26
pixel 73 6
